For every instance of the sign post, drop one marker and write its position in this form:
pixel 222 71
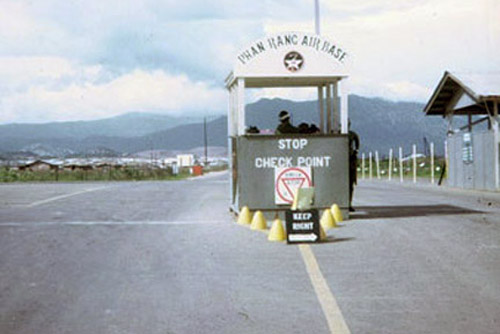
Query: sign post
pixel 302 226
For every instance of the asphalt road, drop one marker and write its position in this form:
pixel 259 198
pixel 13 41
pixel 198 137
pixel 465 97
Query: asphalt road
pixel 167 257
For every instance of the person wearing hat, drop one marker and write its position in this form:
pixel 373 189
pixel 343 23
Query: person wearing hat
pixel 285 126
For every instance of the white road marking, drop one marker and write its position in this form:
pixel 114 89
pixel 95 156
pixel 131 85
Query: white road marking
pixel 334 318
pixel 56 198
pixel 111 223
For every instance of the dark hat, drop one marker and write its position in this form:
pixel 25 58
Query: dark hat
pixel 284 115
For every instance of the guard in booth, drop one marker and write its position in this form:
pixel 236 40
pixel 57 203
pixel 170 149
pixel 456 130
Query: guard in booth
pixel 285 126
pixel 353 162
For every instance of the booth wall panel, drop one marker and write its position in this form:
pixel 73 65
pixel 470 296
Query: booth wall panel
pixel 256 185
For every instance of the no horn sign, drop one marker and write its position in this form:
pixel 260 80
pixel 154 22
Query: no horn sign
pixel 288 180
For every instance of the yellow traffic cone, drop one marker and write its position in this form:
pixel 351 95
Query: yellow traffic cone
pixel 259 221
pixel 337 215
pixel 322 234
pixel 245 217
pixel 327 221
pixel 277 232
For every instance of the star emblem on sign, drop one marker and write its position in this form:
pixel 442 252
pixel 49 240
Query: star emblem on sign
pixel 293 61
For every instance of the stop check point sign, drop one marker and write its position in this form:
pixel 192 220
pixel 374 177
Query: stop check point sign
pixel 288 180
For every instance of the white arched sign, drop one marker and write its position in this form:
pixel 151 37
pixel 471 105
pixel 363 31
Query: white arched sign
pixel 292 54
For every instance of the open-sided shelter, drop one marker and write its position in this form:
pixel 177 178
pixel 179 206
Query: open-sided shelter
pixel 266 170
pixel 470 103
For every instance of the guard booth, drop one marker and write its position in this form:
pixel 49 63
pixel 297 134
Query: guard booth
pixel 267 169
pixel 470 103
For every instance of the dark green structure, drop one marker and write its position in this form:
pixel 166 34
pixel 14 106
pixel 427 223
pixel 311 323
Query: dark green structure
pixel 256 158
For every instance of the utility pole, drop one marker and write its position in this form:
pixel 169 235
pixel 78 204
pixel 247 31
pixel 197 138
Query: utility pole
pixel 205 139
pixel 316 15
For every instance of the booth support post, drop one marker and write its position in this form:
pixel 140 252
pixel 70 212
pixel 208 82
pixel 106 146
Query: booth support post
pixel 494 124
pixel 230 116
pixel 240 103
pixel 321 106
pixel 336 114
pixel 328 108
pixel 232 123
pixel 344 107
pixel 230 104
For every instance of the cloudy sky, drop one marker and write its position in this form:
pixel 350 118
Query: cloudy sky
pixel 86 59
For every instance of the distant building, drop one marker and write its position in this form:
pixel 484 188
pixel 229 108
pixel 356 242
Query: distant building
pixel 38 166
pixel 471 104
pixel 185 160
pixel 77 166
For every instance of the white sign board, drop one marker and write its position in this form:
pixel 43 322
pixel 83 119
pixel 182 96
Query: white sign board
pixel 288 180
pixel 293 54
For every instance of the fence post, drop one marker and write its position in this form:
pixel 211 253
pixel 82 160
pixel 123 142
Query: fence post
pixel 400 164
pixel 370 165
pixel 432 163
pixel 414 163
pixel 377 163
pixel 390 164
pixel 363 165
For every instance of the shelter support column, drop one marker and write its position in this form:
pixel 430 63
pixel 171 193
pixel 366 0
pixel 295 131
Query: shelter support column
pixel 328 108
pixel 240 105
pixel 344 107
pixel 230 114
pixel 336 115
pixel 495 124
pixel 321 106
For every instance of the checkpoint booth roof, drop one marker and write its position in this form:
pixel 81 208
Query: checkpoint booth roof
pixel 290 59
pixel 470 103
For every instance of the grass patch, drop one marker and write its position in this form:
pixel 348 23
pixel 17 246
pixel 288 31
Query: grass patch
pixel 122 174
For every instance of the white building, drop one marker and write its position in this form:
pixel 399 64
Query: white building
pixel 185 160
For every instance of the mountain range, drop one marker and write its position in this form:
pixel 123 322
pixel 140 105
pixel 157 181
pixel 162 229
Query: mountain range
pixel 381 125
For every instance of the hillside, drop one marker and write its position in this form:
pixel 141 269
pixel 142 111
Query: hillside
pixel 131 124
pixel 381 124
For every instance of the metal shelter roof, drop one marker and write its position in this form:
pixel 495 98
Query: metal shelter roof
pixel 471 94
pixel 286 81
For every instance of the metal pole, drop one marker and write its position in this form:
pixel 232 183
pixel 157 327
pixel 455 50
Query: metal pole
pixel 414 163
pixel 432 163
pixel 377 163
pixel 363 166
pixel 316 16
pixel 390 164
pixel 400 164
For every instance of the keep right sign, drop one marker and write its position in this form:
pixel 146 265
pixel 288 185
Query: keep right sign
pixel 302 226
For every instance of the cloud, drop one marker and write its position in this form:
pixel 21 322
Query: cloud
pixel 17 74
pixel 59 58
pixel 393 90
pixel 294 94
pixel 397 45
pixel 139 90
